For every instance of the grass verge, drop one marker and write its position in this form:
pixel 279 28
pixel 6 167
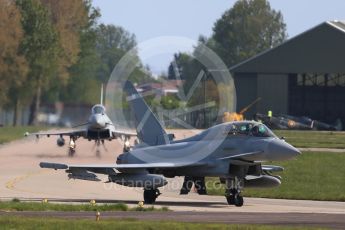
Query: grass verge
pixel 313 139
pixel 10 133
pixel 9 222
pixel 16 205
pixel 311 176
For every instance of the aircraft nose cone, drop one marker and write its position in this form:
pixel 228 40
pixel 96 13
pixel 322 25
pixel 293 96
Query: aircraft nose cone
pixel 280 150
pixel 98 122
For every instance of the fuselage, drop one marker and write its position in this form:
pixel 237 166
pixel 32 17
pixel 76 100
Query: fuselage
pixel 214 146
pixel 99 124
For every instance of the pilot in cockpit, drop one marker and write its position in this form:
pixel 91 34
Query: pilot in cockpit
pixel 250 129
pixel 98 109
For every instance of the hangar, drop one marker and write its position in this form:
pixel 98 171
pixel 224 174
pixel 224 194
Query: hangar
pixel 304 76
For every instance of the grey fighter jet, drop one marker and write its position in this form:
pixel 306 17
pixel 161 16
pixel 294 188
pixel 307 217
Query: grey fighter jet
pixel 98 128
pixel 232 151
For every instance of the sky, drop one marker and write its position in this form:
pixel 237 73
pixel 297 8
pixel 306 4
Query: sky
pixel 187 19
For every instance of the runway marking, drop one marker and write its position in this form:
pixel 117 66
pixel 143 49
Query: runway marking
pixel 12 183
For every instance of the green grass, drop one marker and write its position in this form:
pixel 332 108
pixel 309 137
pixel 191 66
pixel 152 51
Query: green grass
pixel 312 176
pixel 16 205
pixel 10 133
pixel 313 139
pixel 11 222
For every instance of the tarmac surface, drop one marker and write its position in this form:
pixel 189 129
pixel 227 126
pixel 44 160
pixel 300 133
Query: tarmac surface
pixel 21 177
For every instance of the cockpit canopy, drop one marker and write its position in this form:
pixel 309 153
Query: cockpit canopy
pixel 98 109
pixel 249 129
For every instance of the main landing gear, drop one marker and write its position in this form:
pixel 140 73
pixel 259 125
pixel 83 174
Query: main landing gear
pixel 72 147
pixel 233 191
pixel 98 151
pixel 150 195
pixel 199 185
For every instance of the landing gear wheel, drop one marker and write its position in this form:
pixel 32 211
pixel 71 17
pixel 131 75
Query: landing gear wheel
pixel 150 195
pixel 230 199
pixel 238 201
pixel 233 191
pixel 71 152
pixel 72 146
pixel 231 196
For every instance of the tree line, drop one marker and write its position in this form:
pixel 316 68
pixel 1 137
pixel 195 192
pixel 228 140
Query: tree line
pixel 57 51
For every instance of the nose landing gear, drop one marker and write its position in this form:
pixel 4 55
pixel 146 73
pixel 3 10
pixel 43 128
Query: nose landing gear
pixel 97 145
pixel 150 195
pixel 233 191
pixel 98 151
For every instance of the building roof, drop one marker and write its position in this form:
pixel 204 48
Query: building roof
pixel 170 86
pixel 318 50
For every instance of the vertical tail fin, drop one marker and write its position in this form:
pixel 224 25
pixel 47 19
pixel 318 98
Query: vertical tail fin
pixel 101 102
pixel 149 129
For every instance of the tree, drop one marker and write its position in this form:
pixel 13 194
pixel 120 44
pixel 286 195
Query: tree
pixel 84 71
pixel 248 28
pixel 102 47
pixel 170 102
pixel 41 49
pixel 72 20
pixel 68 17
pixel 178 64
pixel 186 67
pixel 114 37
pixel 112 43
pixel 13 67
